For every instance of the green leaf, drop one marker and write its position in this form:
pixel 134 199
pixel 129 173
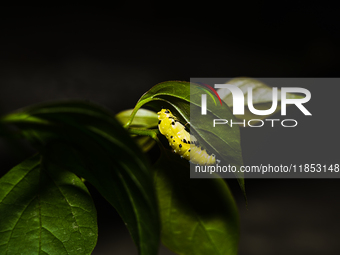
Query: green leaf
pixel 88 140
pixel 198 216
pixel 183 98
pixel 143 119
pixel 45 210
pixel 173 94
pixel 262 97
pixel 224 140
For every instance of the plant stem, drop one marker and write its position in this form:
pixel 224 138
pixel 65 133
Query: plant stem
pixel 146 132
pixel 138 105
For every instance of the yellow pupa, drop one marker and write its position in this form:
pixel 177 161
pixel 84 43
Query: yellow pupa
pixel 181 141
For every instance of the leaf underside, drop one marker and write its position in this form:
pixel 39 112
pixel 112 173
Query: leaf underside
pixel 88 141
pixel 45 210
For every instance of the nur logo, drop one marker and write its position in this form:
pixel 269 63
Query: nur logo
pixel 204 97
pixel 239 100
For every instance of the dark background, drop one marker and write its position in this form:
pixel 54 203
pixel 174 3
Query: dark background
pixel 113 55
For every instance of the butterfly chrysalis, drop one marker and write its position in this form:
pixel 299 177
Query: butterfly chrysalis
pixel 181 141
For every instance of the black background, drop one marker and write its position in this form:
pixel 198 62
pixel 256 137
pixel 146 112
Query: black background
pixel 112 55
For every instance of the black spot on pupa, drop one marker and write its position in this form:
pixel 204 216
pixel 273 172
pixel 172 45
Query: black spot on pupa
pixel 184 141
pixel 159 122
pixel 167 111
pixel 189 150
pixel 174 140
pixel 171 137
pixel 180 145
pixel 173 123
